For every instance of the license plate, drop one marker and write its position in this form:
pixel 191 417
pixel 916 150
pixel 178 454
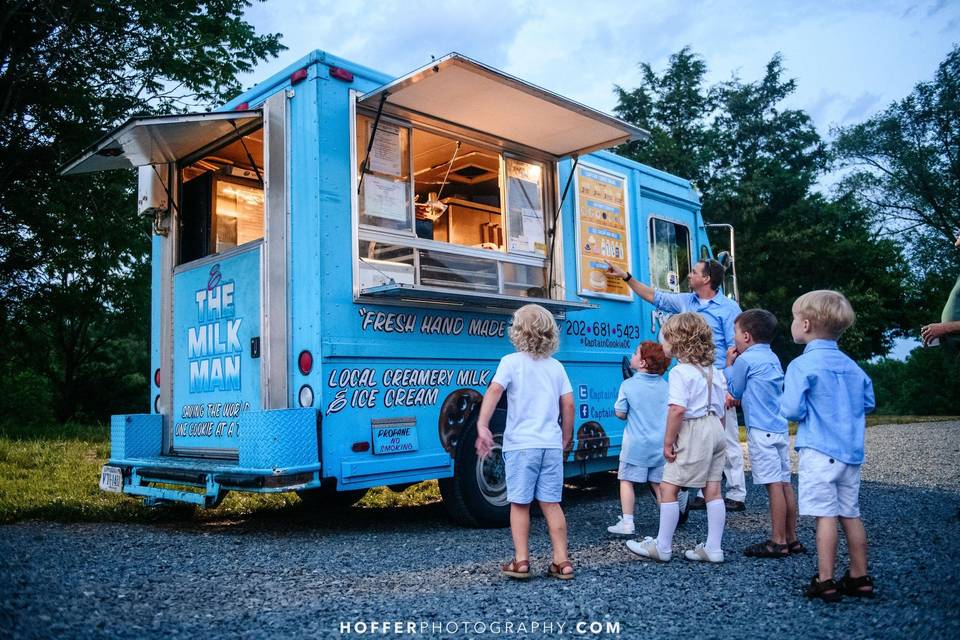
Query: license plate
pixel 111 479
pixel 394 436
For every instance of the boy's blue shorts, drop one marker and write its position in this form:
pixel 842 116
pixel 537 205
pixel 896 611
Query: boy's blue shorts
pixel 534 473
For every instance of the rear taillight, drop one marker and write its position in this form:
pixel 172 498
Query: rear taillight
pixel 360 447
pixel 156 377
pixel 305 362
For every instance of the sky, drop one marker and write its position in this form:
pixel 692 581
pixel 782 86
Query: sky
pixel 850 59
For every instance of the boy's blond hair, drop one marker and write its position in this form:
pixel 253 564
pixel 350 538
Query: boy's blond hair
pixel 690 339
pixel 828 312
pixel 534 331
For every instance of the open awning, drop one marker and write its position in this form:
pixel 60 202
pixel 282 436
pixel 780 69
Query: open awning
pixel 409 294
pixel 159 139
pixel 464 92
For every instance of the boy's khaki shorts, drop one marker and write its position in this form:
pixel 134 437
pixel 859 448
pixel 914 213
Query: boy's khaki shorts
pixel 701 453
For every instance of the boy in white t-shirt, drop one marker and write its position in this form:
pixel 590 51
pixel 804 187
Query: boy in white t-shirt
pixel 538 396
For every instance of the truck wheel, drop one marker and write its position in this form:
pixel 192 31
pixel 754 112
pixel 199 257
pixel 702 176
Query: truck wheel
pixel 476 495
pixel 326 497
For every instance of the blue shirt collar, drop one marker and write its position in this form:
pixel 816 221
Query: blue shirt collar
pixel 644 374
pixel 821 344
pixel 758 346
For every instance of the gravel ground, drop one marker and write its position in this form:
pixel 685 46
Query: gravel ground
pixel 297 576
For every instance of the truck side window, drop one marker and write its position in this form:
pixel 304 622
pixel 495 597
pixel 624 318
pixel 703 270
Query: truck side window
pixel 475 221
pixel 669 255
pixel 222 199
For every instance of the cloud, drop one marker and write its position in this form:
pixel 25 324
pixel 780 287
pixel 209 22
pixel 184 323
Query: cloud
pixel 861 107
pixel 848 57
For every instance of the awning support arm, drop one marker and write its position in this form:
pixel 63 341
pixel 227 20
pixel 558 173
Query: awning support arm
pixel 556 216
pixel 373 135
pixel 247 151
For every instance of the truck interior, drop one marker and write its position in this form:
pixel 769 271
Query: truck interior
pixel 221 198
pixel 456 213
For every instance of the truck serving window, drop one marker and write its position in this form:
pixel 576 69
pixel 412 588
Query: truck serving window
pixel 475 221
pixel 669 255
pixel 222 199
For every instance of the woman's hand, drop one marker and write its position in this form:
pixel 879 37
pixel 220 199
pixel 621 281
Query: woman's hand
pixel 934 331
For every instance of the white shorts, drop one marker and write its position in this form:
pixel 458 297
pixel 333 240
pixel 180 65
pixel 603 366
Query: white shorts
pixel 637 473
pixel 828 487
pixel 769 456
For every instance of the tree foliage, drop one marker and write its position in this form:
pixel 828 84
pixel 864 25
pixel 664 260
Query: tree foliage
pixel 74 268
pixel 756 164
pixel 904 163
pixel 906 159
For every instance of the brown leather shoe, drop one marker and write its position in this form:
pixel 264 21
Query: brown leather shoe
pixel 734 505
pixel 696 504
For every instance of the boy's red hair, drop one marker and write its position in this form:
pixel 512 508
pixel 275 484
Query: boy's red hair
pixel 652 354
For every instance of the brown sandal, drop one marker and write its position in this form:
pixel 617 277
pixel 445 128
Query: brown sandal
pixel 861 587
pixel 556 570
pixel 768 549
pixel 516 569
pixel 826 590
pixel 796 547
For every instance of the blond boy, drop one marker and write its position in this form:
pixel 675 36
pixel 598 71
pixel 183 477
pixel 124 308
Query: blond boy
pixel 828 395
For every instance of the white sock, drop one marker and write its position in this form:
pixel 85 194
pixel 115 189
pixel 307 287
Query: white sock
pixel 669 517
pixel 716 518
pixel 628 518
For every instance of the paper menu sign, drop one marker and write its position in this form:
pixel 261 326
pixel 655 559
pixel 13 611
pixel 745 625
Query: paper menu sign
pixel 385 198
pixel 602 233
pixel 385 153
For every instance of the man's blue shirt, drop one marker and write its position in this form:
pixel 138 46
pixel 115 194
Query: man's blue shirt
pixel 719 312
pixel 829 395
pixel 756 379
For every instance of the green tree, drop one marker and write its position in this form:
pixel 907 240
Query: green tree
pixel 757 165
pixel 675 108
pixel 906 159
pixel 73 259
pixel 905 163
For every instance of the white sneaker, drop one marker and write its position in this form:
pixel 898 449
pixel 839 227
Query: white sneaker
pixel 701 554
pixel 648 549
pixel 622 527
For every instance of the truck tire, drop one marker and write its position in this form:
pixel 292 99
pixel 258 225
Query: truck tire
pixel 327 498
pixel 476 495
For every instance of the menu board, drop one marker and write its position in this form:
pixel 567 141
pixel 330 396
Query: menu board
pixel 603 234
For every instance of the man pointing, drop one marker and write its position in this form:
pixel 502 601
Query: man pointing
pixel 719 311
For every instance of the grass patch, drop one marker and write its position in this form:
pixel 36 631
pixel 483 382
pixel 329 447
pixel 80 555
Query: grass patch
pixel 52 473
pixel 416 495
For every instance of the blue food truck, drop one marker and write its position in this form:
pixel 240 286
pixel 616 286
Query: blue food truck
pixel 335 257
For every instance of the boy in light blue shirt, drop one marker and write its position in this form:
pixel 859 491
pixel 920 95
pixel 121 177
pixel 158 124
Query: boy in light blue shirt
pixel 642 402
pixel 755 378
pixel 829 395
